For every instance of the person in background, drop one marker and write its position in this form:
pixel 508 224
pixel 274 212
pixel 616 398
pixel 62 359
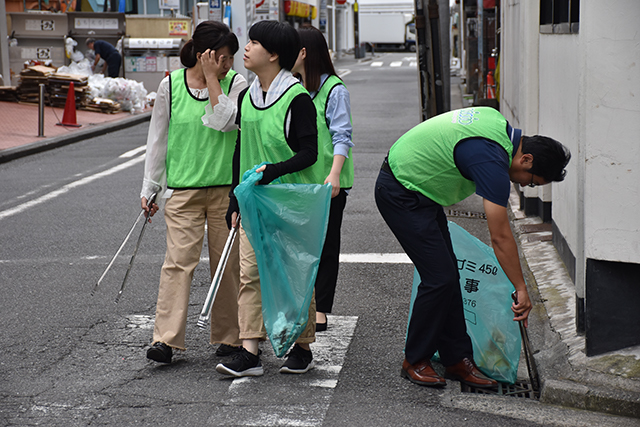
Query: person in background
pixel 110 55
pixel 333 107
pixel 277 122
pixel 189 154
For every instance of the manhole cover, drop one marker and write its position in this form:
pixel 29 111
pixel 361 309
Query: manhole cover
pixel 520 389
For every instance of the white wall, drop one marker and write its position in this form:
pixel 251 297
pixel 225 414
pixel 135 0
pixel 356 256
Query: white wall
pixel 609 34
pixel 560 78
pixel 519 64
pixel 583 90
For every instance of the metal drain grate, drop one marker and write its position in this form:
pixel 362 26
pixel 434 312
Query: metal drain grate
pixel 520 389
pixel 461 214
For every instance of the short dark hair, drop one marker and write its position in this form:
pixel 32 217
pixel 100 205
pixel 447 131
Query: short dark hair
pixel 549 157
pixel 318 60
pixel 208 35
pixel 279 38
pixel 90 40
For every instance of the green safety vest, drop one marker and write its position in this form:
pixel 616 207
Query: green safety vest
pixel 264 140
pixel 197 156
pixel 324 136
pixel 423 158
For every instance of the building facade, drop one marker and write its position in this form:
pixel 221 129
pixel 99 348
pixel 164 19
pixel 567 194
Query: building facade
pixel 571 70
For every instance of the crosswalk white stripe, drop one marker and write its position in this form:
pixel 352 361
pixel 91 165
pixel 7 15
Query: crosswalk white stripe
pixel 329 353
pixel 396 64
pixel 376 64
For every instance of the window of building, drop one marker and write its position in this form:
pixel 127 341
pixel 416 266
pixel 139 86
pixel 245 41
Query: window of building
pixel 559 16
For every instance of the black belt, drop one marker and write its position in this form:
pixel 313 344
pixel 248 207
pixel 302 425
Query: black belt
pixel 385 166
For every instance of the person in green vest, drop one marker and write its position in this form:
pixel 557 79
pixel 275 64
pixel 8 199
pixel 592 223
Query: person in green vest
pixel 188 163
pixel 277 122
pixel 438 163
pixel 333 107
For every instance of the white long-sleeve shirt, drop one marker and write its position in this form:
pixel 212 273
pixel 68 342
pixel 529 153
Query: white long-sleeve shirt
pixel 221 117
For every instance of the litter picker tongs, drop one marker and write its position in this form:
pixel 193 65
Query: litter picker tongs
pixel 528 352
pixel 142 214
pixel 205 315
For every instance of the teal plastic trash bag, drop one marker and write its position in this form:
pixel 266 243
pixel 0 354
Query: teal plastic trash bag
pixel 486 298
pixel 286 225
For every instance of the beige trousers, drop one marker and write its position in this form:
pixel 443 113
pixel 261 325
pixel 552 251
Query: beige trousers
pixel 250 299
pixel 186 212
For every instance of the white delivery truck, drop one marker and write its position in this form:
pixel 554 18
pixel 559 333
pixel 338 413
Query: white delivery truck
pixel 387 30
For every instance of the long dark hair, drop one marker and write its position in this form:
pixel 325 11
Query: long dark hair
pixel 208 35
pixel 318 60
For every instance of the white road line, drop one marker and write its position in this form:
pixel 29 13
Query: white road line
pixel 133 152
pixel 372 258
pixel 396 64
pixel 399 258
pixel 376 64
pixel 413 64
pixel 65 189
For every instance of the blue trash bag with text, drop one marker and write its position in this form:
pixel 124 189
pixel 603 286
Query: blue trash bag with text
pixel 486 298
pixel 286 225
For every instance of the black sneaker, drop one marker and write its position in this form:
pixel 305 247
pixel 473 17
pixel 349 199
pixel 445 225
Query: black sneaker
pixel 160 352
pixel 225 350
pixel 298 361
pixel 243 364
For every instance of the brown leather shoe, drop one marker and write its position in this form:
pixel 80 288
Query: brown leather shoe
pixel 422 373
pixel 467 372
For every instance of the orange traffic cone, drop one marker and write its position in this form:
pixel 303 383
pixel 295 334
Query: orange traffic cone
pixel 69 116
pixel 491 86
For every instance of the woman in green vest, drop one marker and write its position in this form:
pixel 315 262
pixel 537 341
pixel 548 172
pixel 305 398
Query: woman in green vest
pixel 188 163
pixel 333 108
pixel 277 125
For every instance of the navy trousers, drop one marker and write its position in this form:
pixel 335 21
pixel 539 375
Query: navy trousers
pixel 113 65
pixel 330 259
pixel 420 225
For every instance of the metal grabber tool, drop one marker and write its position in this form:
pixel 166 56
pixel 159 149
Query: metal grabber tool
pixel 205 315
pixel 528 351
pixel 150 202
pixel 124 242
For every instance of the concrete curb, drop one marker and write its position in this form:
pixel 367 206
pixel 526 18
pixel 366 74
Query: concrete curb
pixel 591 398
pixel 62 140
pixel 568 378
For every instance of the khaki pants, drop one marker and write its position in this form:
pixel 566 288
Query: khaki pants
pixel 185 214
pixel 250 299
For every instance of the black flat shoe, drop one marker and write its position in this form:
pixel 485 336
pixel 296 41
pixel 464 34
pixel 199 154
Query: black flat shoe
pixel 160 352
pixel 321 327
pixel 225 350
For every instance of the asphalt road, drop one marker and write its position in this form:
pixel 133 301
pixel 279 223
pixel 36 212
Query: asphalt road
pixel 72 359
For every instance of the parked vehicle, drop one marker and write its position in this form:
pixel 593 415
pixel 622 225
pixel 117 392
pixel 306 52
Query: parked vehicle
pixel 388 30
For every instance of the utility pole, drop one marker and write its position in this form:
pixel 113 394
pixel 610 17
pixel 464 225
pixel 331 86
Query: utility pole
pixel 429 61
pixel 4 46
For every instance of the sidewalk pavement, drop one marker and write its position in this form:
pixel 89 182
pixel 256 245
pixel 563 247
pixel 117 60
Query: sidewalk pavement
pixel 607 383
pixel 19 128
